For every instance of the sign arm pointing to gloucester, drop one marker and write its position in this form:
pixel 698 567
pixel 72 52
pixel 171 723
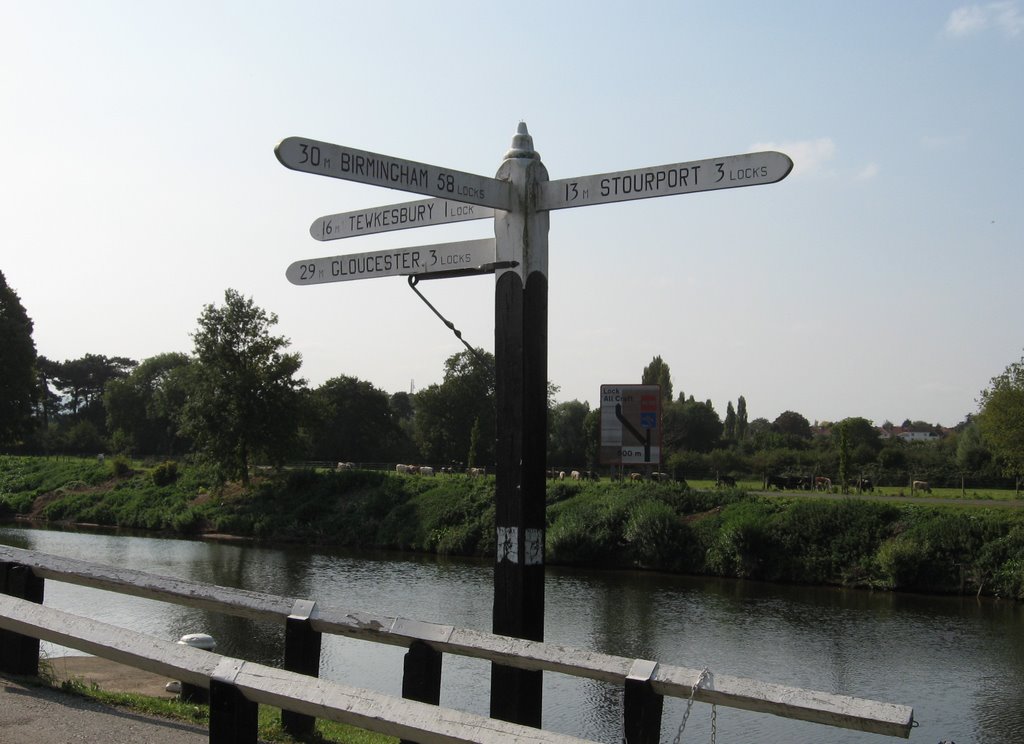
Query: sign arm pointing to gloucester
pixel 733 171
pixel 467 256
pixel 325 159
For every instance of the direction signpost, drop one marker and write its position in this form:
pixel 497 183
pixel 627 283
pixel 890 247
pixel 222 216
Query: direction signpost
pixel 520 198
pixel 466 256
pixel 325 159
pixel 734 171
pixel 396 217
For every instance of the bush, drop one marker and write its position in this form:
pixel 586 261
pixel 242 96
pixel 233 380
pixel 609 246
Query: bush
pixel 586 529
pixel 165 473
pixel 899 560
pixel 742 542
pixel 121 466
pixel 654 534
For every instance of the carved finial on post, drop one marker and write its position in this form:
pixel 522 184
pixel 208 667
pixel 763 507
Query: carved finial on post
pixel 522 144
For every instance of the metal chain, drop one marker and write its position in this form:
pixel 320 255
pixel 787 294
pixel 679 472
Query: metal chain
pixel 714 723
pixel 689 704
pixel 413 281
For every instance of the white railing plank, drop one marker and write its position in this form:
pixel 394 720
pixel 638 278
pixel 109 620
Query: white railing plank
pixel 673 681
pixel 365 709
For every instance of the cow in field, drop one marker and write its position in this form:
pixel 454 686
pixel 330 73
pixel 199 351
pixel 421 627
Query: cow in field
pixel 636 476
pixel 725 480
pixel 920 486
pixel 864 484
pixel 576 475
pixel 780 482
pixel 821 483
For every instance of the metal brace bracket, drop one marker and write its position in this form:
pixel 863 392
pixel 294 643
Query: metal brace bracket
pixel 642 670
pixel 303 609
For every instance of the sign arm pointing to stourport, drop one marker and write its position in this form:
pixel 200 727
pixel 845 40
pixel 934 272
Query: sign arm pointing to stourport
pixel 732 171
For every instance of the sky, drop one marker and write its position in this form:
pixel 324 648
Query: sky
pixel 882 278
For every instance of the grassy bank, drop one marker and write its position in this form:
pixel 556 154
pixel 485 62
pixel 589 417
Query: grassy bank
pixel 269 724
pixel 660 526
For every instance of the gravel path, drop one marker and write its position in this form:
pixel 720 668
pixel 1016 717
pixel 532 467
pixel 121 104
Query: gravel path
pixel 40 715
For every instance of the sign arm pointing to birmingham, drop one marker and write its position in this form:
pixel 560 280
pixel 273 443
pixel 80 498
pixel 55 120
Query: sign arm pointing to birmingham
pixel 336 161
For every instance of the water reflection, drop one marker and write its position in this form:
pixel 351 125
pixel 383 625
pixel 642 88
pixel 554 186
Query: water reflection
pixel 958 661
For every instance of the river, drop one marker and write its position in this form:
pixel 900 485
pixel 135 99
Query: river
pixel 959 662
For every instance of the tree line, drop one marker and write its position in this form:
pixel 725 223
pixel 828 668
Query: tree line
pixel 237 401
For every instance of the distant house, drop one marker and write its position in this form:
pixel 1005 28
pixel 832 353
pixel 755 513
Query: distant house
pixel 908 434
pixel 917 436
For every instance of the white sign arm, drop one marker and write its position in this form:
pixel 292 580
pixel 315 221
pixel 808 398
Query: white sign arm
pixel 420 260
pixel 336 161
pixel 733 171
pixel 395 217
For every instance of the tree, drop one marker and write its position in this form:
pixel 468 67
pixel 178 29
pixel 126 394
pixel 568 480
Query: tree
pixel 353 420
pixel 842 433
pixel 446 413
pixel 972 454
pixel 144 408
pixel 792 424
pixel 691 425
pixel 48 403
pixel 658 373
pixel 729 425
pixel 17 367
pixel 245 398
pixel 741 419
pixel 592 436
pixel 82 381
pixel 80 385
pixel 567 444
pixel 1002 418
pixel 860 434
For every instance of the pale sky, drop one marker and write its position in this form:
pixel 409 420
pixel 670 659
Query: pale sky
pixel 882 278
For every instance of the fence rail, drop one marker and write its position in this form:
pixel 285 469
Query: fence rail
pixel 645 682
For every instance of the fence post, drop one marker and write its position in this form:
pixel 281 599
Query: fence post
pixel 233 718
pixel 421 678
pixel 642 706
pixel 301 655
pixel 19 654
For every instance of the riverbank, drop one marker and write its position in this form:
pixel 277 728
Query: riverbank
pixel 106 675
pixel 895 544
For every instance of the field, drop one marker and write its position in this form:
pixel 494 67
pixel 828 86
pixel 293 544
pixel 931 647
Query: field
pixel 970 494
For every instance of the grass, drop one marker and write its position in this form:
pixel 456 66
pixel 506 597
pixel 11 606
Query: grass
pixel 269 718
pixel 981 494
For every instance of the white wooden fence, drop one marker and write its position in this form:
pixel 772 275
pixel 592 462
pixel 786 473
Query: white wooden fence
pixel 237 686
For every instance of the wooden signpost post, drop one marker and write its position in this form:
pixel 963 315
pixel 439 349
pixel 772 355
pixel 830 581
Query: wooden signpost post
pixel 519 198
